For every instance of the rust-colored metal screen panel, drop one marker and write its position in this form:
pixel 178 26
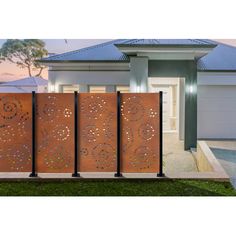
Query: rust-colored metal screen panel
pixel 140 137
pixel 97 132
pixel 15 132
pixel 55 133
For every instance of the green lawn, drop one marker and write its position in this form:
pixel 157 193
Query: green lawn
pixel 116 188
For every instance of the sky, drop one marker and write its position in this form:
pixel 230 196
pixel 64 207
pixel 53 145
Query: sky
pixel 9 71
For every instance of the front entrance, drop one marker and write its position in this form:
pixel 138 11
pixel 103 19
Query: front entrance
pixel 168 119
pixel 173 102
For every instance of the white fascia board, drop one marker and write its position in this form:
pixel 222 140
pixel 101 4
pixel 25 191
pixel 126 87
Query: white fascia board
pixel 168 56
pixel 88 66
pixel 167 53
pixel 216 78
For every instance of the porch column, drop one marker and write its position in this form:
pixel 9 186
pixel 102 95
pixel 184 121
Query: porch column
pixel 138 74
pixel 110 89
pixel 190 105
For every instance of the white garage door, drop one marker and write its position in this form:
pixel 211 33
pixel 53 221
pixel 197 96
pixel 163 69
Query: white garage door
pixel 216 111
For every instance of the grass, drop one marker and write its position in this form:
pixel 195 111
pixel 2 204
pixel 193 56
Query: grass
pixel 117 188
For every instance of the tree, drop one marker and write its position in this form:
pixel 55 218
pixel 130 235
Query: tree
pixel 24 53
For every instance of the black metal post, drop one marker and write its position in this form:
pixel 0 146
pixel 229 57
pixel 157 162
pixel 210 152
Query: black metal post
pixel 161 174
pixel 33 173
pixel 76 174
pixel 118 146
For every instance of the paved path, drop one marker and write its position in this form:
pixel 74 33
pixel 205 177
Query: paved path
pixel 177 160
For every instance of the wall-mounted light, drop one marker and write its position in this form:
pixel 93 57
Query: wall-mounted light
pixel 191 88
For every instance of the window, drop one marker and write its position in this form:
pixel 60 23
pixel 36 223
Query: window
pixel 122 89
pixel 97 89
pixel 70 88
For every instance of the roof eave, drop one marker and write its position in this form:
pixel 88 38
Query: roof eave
pixel 82 61
pixel 197 50
pixel 166 45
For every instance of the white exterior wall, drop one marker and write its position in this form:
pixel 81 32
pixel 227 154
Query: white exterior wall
pixel 216 109
pixel 58 78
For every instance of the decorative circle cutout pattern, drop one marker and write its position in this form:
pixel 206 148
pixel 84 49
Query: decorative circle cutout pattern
pixel 91 132
pixel 146 131
pixel 61 132
pixel 8 132
pixel 93 106
pixel 104 155
pixel 132 109
pixel 57 158
pixel 143 158
pixel 67 113
pixel 10 107
pixel 49 110
pixel 19 156
pixel 84 152
pixel 152 113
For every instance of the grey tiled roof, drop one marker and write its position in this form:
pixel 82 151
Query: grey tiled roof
pixel 169 42
pixel 222 57
pixel 101 52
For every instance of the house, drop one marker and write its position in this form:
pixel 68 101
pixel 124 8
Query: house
pixel 25 85
pixel 197 77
